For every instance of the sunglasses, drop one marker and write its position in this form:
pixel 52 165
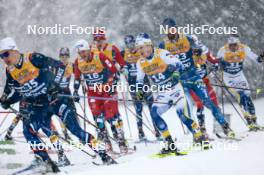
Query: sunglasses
pixel 4 55
pixel 64 55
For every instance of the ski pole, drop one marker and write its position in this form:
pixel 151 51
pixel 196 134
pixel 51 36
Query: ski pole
pixel 65 140
pixel 242 118
pixel 84 104
pixel 114 99
pixel 136 115
pixel 128 123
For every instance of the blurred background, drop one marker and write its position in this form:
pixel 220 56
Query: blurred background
pixel 122 17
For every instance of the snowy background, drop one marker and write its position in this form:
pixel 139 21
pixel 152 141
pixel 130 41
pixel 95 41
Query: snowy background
pixel 122 17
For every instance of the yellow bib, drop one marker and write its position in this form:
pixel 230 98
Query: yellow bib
pixel 108 51
pixel 156 65
pixel 94 66
pixel 234 57
pixel 26 73
pixel 131 57
pixel 182 45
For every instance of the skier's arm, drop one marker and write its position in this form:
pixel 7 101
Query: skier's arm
pixel 118 57
pixel 108 63
pixel 10 96
pixel 140 74
pixel 171 60
pixel 77 76
pixel 212 59
pixel 43 62
pixel 251 55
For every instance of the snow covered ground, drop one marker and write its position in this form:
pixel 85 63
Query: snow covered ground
pixel 229 158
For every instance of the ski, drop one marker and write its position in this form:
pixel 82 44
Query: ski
pixel 146 141
pixel 159 155
pixel 28 168
pixel 228 138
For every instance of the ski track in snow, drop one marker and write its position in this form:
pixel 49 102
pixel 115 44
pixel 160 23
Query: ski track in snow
pixel 246 159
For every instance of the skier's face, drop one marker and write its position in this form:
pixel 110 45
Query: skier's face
pixel 145 50
pixel 172 34
pixel 233 47
pixel 64 58
pixel 99 43
pixel 10 57
pixel 84 54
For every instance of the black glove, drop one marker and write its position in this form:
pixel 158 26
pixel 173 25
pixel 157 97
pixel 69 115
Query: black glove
pixel 260 59
pixel 53 91
pixel 76 96
pixel 4 102
pixel 215 67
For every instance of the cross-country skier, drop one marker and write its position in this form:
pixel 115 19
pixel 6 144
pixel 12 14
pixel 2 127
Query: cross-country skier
pixel 163 68
pixel 201 57
pixel 64 55
pixel 232 56
pixel 100 44
pixel 99 74
pixel 131 57
pixel 30 76
pixel 181 45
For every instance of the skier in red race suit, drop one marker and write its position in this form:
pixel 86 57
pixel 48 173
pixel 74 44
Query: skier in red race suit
pixel 99 74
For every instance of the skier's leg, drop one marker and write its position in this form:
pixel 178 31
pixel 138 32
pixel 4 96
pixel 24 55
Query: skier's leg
pixel 183 111
pixel 210 90
pixel 158 109
pixel 149 99
pixel 110 112
pixel 200 110
pixel 201 91
pixel 243 96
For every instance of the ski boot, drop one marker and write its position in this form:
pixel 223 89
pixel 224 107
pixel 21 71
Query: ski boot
pixel 62 159
pixel 252 123
pixel 170 148
pixel 120 137
pixel 201 122
pixel 202 139
pixel 103 137
pixel 141 134
pixel 106 159
pixel 48 164
pixel 228 131
pixel 8 137
pixel 52 166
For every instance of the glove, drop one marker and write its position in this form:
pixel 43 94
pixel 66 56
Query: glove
pixel 175 76
pixel 215 67
pixel 139 95
pixel 260 59
pixel 4 102
pixel 76 96
pixel 124 71
pixel 53 91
